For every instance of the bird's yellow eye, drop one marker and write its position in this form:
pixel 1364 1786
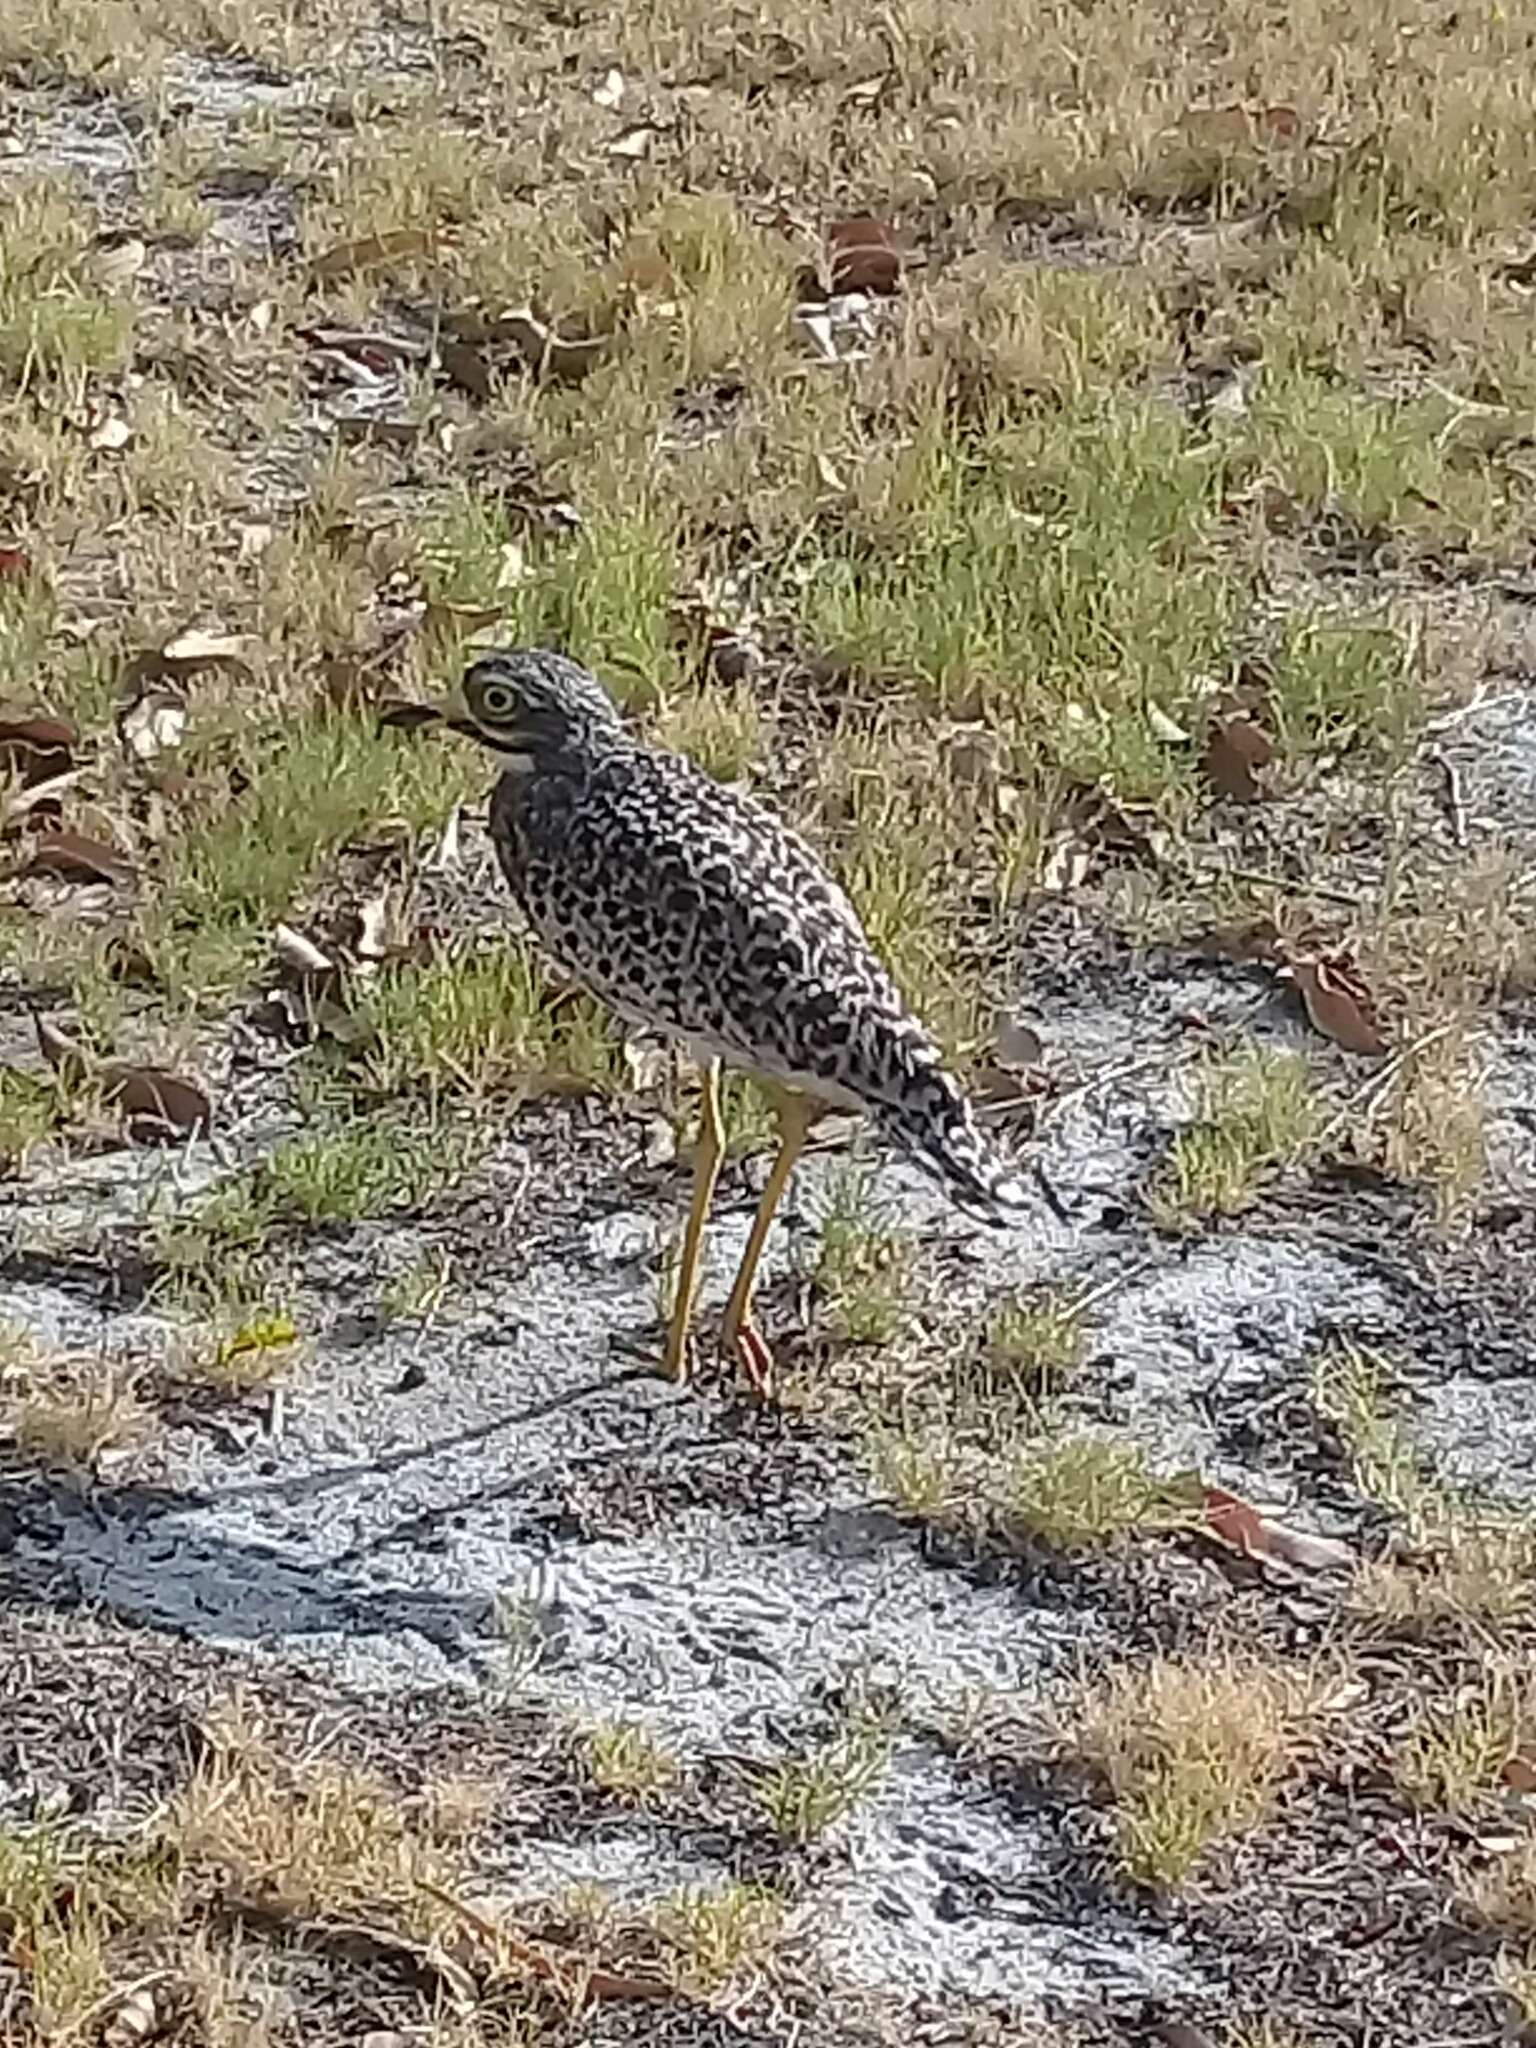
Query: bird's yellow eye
pixel 497 701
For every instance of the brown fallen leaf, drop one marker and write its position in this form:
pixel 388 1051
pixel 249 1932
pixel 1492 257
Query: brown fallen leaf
pixel 75 858
pixel 466 366
pixel 370 252
pixel 197 649
pixel 617 1986
pixel 1237 752
pixel 1278 124
pixel 1338 1001
pixel 15 564
pixel 546 353
pixel 1238 1524
pixel 865 255
pixel 36 749
pixel 190 654
pixel 1233 128
pixel 157 1106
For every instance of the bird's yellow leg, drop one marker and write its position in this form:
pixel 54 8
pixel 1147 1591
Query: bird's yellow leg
pixel 738 1338
pixel 706 1169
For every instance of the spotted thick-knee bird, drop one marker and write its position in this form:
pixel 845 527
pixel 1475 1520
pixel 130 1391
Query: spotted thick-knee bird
pixel 691 909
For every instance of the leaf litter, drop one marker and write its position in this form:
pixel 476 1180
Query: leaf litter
pixel 156 1106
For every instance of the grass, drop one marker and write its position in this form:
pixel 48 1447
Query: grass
pixel 305 1837
pixel 863 1270
pixel 1033 1346
pixel 624 1760
pixel 1193 1751
pixel 1454 1757
pixel 292 1835
pixel 351 1172
pixel 480 1020
pixel 719 1936
pixel 1256 1111
pixel 66 1411
pixel 1106 457
pixel 802 1797
pixel 1084 1492
pixel 1469 1561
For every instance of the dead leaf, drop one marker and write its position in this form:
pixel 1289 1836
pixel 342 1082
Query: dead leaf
pixel 609 90
pixel 199 649
pixel 1520 1775
pixel 1236 753
pixel 153 725
pixel 111 434
pixel 464 365
pixel 371 942
pixel 1164 728
pixel 135 2017
pixel 1235 128
pixel 1278 124
pixel 1241 1527
pixel 156 1105
pixel 616 1986
pixel 865 255
pixel 190 654
pixel 37 749
pixel 635 144
pixel 15 565
pixel 300 954
pixel 1338 1001
pixel 370 252
pixel 545 353
pixel 75 858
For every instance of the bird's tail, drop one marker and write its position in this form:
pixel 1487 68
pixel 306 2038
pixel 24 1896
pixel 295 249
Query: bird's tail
pixel 936 1126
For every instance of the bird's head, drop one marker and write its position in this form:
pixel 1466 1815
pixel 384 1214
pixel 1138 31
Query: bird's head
pixel 524 704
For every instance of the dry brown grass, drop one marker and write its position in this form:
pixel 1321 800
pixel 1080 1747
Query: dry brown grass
pixel 67 1410
pixel 1001 549
pixel 1194 1752
pixel 304 1837
pixel 1455 1756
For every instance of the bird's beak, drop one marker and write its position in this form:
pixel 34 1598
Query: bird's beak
pixel 450 710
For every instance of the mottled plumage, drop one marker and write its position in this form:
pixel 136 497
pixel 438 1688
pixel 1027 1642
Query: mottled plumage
pixel 690 908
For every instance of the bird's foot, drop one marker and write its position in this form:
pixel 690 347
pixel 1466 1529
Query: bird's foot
pixel 748 1348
